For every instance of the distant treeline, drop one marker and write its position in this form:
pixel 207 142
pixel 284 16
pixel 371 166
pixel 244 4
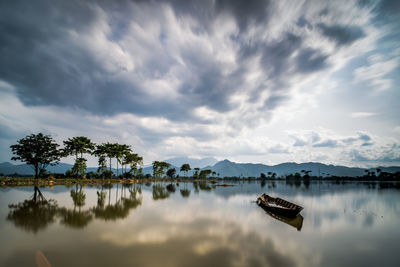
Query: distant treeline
pixel 39 151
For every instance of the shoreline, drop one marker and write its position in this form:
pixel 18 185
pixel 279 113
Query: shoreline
pixel 21 181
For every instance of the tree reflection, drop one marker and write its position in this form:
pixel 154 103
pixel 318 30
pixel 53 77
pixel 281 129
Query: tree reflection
pixel 134 199
pixel 123 204
pixel 185 192
pixel 36 213
pixel 33 214
pixel 111 212
pixel 76 218
pixel 160 192
pixel 171 188
pixel 78 197
pixel 204 186
pixel 196 187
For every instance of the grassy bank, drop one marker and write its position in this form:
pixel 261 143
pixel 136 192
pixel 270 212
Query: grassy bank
pixel 25 181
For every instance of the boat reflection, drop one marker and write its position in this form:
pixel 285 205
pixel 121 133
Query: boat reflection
pixel 296 222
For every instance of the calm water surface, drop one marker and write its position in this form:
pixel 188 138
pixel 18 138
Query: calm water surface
pixel 198 224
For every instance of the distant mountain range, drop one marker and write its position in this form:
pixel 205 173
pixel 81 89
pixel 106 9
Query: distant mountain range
pixel 224 168
pixel 194 163
pixel 227 168
pixel 7 168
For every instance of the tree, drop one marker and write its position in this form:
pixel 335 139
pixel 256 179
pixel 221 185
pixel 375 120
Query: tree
pixel 119 151
pixel 133 160
pixel 306 174
pixel 110 151
pixel 171 173
pixel 101 153
pixel 106 150
pixel 159 168
pixel 204 173
pixel 79 168
pixel 38 150
pixel 185 168
pixel 78 145
pixel 379 171
pixel 196 172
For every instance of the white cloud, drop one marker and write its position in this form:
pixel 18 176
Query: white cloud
pixel 363 114
pixel 375 73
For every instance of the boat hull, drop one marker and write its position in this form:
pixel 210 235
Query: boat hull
pixel 279 206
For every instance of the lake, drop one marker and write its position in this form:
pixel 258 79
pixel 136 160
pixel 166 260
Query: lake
pixel 199 224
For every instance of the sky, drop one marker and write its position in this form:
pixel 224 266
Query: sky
pixel 249 81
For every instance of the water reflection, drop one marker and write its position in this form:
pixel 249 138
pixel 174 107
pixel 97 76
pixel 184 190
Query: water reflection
pixel 36 213
pixel 216 226
pixel 128 199
pixel 76 218
pixel 296 222
pixel 171 188
pixel 160 192
pixel 33 214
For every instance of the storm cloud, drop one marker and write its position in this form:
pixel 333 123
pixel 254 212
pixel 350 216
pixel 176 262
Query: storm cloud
pixel 198 75
pixel 342 35
pixel 147 58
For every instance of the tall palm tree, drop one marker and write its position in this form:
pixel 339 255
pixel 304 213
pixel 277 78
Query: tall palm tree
pixel 110 151
pixel 119 151
pixel 101 153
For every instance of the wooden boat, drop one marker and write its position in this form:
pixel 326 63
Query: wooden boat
pixel 278 206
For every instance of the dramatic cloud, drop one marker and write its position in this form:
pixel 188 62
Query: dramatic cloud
pixel 196 77
pixel 340 34
pixel 109 59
